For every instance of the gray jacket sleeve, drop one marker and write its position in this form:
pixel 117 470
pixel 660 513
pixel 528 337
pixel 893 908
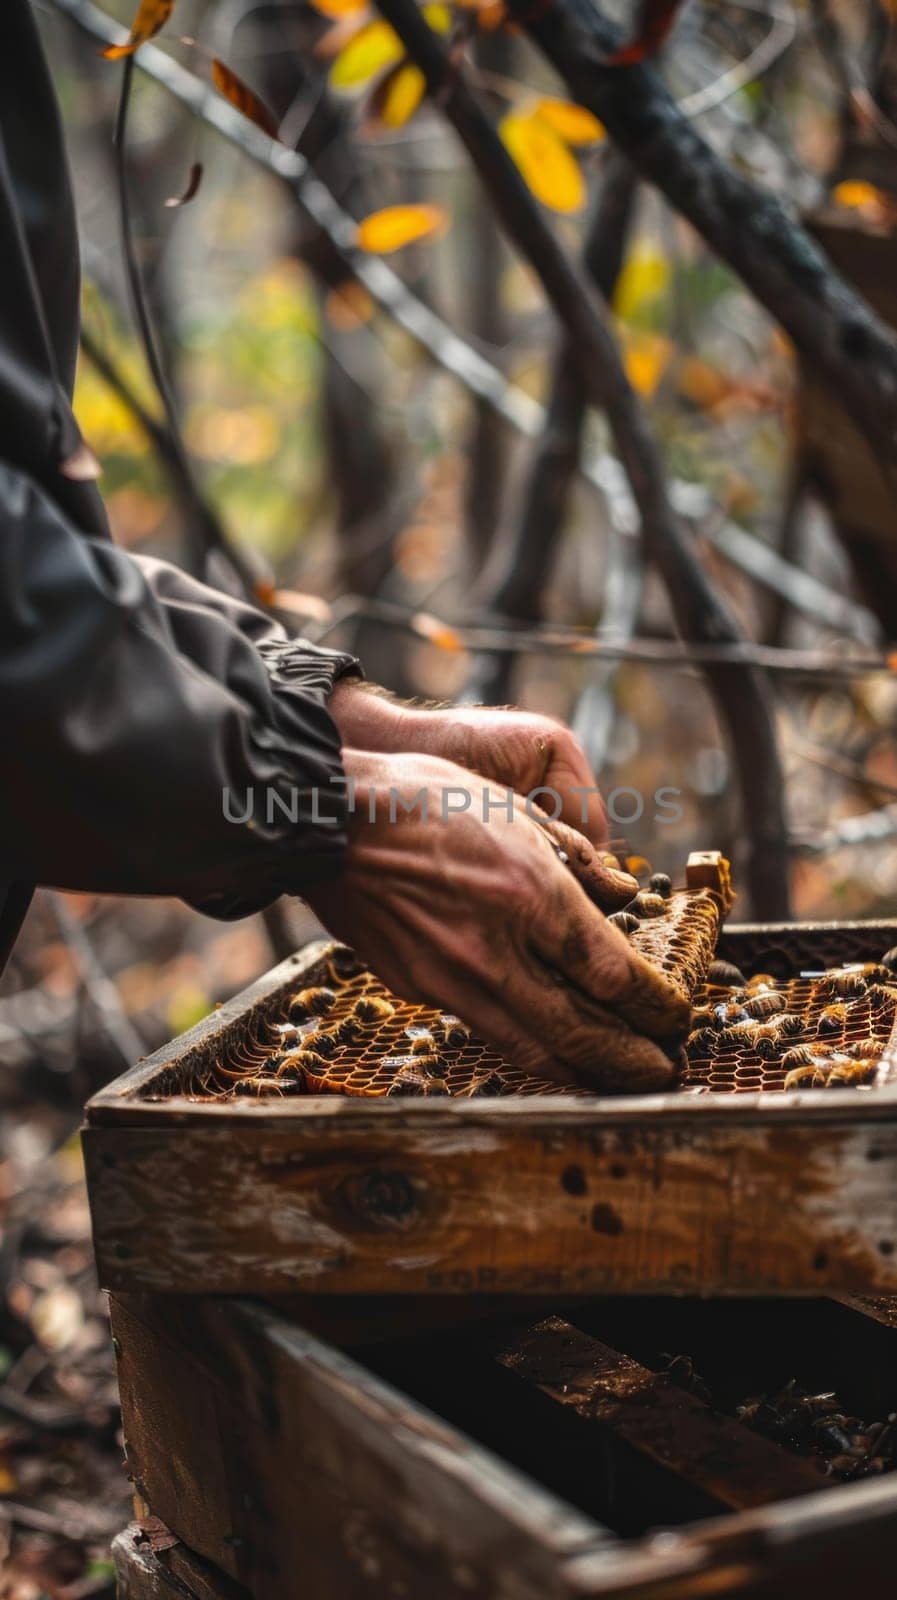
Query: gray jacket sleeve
pixel 161 738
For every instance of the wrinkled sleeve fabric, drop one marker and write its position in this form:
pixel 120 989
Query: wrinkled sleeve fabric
pixel 161 738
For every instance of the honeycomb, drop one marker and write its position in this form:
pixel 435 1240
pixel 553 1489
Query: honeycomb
pixel 816 1030
pixel 350 1035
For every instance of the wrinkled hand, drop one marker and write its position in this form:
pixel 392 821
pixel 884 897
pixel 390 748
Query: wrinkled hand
pixel 481 918
pixel 517 748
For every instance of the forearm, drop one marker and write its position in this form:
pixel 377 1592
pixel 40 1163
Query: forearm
pixel 134 709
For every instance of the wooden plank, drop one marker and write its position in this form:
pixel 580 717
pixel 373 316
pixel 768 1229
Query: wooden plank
pixel 319 1480
pixel 316 1479
pixel 176 1574
pixel 673 1428
pixel 539 1203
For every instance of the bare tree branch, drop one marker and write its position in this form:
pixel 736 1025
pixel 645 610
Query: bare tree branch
pixel 516 589
pixel 205 532
pixel 447 350
pixel 741 697
pixel 835 330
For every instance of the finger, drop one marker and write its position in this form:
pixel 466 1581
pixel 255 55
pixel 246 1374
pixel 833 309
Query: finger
pixel 569 773
pixel 544 1028
pixel 607 886
pixel 588 952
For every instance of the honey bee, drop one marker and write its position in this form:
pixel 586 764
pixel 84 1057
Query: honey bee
pixel 764 1005
pixel 862 1049
pixel 423 1044
pixel 800 1055
pixel 454 1032
pixel 660 883
pixel 877 972
pixel 812 1075
pixel 760 980
pixel 311 1003
pixel 410 1080
pixel 881 995
pixel 847 1074
pixel 723 975
pixel 647 904
pixel 767 1042
pixel 624 920
pixel 301 1062
pixel 324 1043
pixel 743 1033
pixel 347 1029
pixel 373 1008
pixel 789 1024
pixel 343 964
pixel 727 1014
pixel 486 1087
pixel 701 1041
pixel 832 1019
pixel 431 1065
pixel 847 985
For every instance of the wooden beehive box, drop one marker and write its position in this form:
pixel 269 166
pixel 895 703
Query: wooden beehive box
pixel 710 1193
pixel 562 1457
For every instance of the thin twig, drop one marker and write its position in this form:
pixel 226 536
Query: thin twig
pixel 443 345
pixel 741 696
pixel 826 666
pixel 204 530
pixel 517 589
pixel 836 331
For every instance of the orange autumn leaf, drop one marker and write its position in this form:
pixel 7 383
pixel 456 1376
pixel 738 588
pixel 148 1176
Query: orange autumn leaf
pixel 491 14
pixel 548 169
pixel 243 98
pixel 339 8
pixel 572 123
pixel 857 195
pixel 395 226
pixel 646 357
pixel 151 16
pixel 437 632
pixel 349 306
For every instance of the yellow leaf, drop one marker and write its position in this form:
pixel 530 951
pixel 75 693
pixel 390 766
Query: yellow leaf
pixel 372 48
pixel 644 277
pixel 574 124
pixel 339 8
pixel 438 16
pixel 399 95
pixel 349 306
pixel 151 16
pixel 243 98
pixel 646 358
pixel 548 168
pixel 858 196
pixel 395 226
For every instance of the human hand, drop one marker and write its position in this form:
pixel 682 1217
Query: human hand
pixel 480 917
pixel 526 751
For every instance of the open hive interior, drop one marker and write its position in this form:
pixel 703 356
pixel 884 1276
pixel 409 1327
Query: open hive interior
pixel 342 1031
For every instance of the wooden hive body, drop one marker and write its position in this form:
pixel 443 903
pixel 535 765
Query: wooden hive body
pixel 709 1193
